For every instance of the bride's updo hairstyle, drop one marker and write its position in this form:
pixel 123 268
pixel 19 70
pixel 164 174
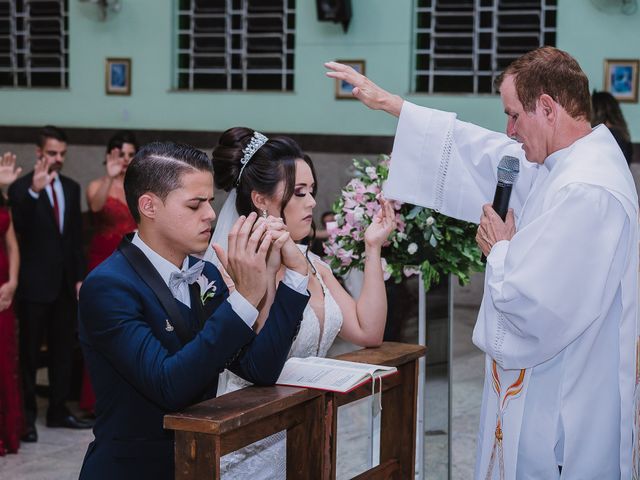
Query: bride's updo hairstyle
pixel 272 163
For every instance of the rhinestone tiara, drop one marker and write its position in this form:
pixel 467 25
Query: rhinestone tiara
pixel 249 151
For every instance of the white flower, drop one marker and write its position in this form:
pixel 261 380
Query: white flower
pixel 207 288
pixel 386 269
pixel 430 221
pixel 371 171
pixel 358 214
pixel 412 248
pixel 409 271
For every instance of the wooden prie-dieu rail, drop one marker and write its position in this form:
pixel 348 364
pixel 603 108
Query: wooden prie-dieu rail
pixel 211 429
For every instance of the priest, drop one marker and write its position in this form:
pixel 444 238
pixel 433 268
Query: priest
pixel 558 315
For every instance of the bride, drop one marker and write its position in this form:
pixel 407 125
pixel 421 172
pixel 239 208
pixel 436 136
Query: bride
pixel 276 179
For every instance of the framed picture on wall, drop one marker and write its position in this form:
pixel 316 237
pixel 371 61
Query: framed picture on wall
pixel 343 89
pixel 621 79
pixel 118 76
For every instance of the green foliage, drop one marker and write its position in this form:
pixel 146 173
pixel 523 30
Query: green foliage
pixel 424 240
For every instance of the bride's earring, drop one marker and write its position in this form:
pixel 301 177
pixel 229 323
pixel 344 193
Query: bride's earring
pixel 264 214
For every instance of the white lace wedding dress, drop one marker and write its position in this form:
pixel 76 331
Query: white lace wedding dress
pixel 266 459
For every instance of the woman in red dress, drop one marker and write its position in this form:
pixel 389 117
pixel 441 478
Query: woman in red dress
pixel 112 219
pixel 11 420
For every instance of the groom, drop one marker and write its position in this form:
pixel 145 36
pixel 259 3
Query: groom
pixel 157 326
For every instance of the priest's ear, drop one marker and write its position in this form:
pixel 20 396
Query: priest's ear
pixel 548 107
pixel 148 205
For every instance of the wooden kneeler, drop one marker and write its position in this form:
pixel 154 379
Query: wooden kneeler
pixel 211 429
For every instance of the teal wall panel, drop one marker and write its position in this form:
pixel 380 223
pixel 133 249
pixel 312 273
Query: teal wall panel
pixel 380 33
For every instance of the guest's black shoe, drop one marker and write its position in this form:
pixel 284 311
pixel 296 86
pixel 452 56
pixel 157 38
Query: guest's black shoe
pixel 69 421
pixel 30 435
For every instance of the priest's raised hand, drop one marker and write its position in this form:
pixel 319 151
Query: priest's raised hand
pixel 365 90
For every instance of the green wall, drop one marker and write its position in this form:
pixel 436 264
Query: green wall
pixel 591 36
pixel 380 32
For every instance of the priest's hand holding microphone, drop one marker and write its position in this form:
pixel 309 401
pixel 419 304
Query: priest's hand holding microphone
pixel 497 222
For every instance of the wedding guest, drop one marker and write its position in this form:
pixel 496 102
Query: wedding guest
pixel 606 109
pixel 157 325
pixel 11 419
pixel 275 179
pixel 111 218
pixel 46 215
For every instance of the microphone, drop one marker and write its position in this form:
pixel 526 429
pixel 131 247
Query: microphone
pixel 508 170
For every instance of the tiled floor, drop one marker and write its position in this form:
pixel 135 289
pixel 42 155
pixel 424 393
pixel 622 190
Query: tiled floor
pixel 59 452
pixel 57 455
pixel 468 378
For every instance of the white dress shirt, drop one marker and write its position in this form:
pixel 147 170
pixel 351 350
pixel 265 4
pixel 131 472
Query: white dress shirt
pixel 240 305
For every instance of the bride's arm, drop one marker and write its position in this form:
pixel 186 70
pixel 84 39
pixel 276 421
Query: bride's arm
pixel 363 321
pixel 276 272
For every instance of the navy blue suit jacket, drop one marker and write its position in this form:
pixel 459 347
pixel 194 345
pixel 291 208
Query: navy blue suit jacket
pixel 141 370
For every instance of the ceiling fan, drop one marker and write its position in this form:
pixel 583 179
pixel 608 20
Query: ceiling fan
pixel 626 7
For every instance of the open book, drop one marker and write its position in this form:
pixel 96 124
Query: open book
pixel 330 374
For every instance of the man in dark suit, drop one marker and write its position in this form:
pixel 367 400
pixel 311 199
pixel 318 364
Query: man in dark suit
pixel 46 215
pixel 158 326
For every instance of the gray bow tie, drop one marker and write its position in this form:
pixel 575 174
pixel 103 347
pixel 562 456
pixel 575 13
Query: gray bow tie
pixel 176 279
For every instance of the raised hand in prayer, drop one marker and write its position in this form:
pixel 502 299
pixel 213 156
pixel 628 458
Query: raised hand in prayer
pixel 493 230
pixel 227 279
pixel 277 229
pixel 8 170
pixel 246 259
pixel 365 90
pixel 115 163
pixel 382 225
pixel 41 175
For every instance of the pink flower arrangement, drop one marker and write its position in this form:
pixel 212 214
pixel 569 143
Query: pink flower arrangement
pixel 424 241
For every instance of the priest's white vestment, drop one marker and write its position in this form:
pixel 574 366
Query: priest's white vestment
pixel 558 320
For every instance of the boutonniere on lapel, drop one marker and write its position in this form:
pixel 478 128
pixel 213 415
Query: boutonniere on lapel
pixel 207 288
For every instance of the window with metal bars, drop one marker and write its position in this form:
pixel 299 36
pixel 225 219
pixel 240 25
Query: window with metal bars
pixel 462 45
pixel 235 45
pixel 34 43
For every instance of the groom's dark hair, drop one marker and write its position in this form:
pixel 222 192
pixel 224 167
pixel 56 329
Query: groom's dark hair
pixel 158 168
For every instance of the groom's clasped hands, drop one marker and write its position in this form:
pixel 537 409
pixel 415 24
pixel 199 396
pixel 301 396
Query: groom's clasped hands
pixel 257 248
pixel 287 253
